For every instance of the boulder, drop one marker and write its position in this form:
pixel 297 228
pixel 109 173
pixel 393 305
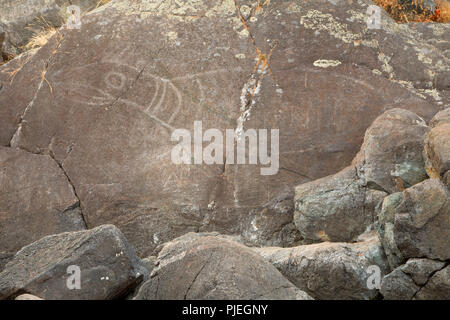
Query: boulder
pixel 36 199
pixel 213 268
pixel 272 224
pixel 438 286
pixel 335 208
pixel 415 223
pixel 104 101
pixel 437 148
pixel 391 205
pixel 414 280
pixel 331 270
pixel 49 268
pixel 440 118
pixel 398 286
pixel 391 155
pixel 342 206
pixel 420 270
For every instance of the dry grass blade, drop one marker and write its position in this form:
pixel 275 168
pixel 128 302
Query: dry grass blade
pixel 40 38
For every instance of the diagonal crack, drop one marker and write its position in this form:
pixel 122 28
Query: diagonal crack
pixel 59 39
pixel 428 279
pixel 196 276
pixel 74 191
pixel 76 204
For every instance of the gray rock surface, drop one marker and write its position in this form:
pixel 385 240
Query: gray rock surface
pixel 108 266
pixel 330 270
pixel 415 223
pixel 417 279
pixel 210 267
pixel 20 20
pixel 335 208
pixel 440 118
pixel 342 206
pixel 438 287
pixel 36 199
pixel 108 119
pixel 398 286
pixel 437 148
pixel 391 158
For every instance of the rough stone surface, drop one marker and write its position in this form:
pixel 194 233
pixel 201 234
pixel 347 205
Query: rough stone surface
pixel 214 268
pixel 104 100
pixel 22 19
pixel 415 223
pixel 5 257
pixel 342 206
pixel 398 286
pixel 330 270
pixel 417 279
pixel 440 118
pixel 437 148
pixel 420 270
pixel 108 265
pixel 335 208
pixel 438 287
pixel 391 155
pixel 36 199
pixel 272 224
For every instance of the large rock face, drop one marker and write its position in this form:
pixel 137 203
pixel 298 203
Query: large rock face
pixel 330 270
pixel 211 268
pixel 104 100
pixel 415 223
pixel 107 263
pixel 36 199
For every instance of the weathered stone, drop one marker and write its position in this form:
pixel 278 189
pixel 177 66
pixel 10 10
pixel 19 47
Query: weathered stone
pixel 446 179
pixel 5 257
pixel 437 147
pixel 272 224
pixel 36 199
pixel 340 207
pixel 149 263
pixel 214 268
pixel 415 223
pixel 398 286
pixel 18 71
pixel 330 270
pixel 438 287
pixel 420 269
pixel 391 205
pixel 107 263
pixel 20 20
pixel 413 280
pixel 335 208
pixel 440 118
pixel 391 155
pixel 104 100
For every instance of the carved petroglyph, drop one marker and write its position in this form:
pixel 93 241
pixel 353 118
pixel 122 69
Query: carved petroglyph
pixel 164 96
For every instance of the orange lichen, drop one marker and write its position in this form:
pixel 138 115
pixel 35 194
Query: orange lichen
pixel 415 12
